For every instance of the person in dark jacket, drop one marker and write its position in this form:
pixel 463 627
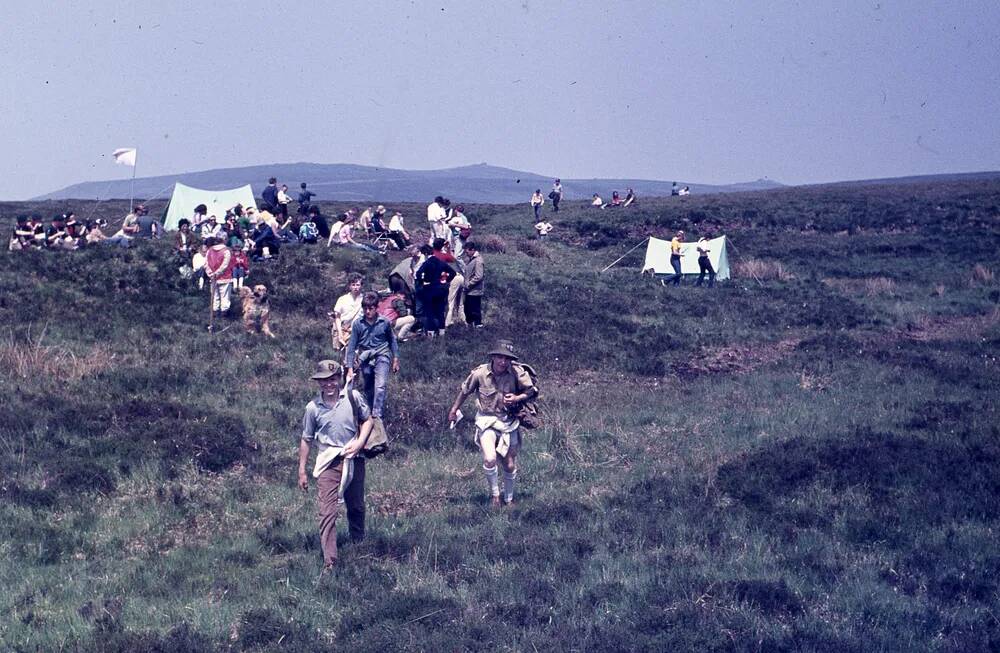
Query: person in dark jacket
pixel 305 199
pixel 432 281
pixel 270 194
pixel 322 226
pixel 263 236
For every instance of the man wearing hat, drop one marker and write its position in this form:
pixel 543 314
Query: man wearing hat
pixel 331 421
pixel 499 385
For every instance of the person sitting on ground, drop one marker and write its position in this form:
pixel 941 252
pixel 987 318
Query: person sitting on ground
pixel 345 311
pixel 200 213
pixel 373 351
pixel 244 218
pixel 393 308
pixel 56 236
pixel 318 219
pixel 149 227
pixel 364 221
pixel 308 233
pixel 629 198
pixel 265 244
pixel 76 230
pixel 23 235
pixel 397 231
pixel 542 229
pixel 185 243
pixel 684 191
pixel 616 200
pixel 597 201
pixel 345 239
pixel 210 228
pixel 95 231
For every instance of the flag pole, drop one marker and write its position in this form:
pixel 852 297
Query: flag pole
pixel 131 188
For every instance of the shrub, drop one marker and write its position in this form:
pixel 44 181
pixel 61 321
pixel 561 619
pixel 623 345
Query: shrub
pixel 761 269
pixel 982 274
pixel 533 248
pixel 494 244
pixel 879 286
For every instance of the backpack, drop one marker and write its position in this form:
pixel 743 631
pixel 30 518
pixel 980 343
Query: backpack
pixel 527 411
pixel 378 440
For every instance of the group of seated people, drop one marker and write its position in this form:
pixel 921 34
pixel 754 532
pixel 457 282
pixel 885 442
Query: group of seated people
pixel 66 232
pixel 616 199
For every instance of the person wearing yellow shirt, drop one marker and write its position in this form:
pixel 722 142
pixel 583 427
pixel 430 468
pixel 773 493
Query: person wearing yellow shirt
pixel 675 258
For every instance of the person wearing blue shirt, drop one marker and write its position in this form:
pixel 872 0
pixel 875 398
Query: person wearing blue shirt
pixel 373 348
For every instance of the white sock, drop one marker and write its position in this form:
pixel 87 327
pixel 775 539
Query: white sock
pixel 491 480
pixel 508 485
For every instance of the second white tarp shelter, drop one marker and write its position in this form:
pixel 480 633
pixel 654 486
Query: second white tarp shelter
pixel 658 257
pixel 185 198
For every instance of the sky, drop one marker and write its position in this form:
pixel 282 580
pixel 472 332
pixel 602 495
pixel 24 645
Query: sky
pixel 704 92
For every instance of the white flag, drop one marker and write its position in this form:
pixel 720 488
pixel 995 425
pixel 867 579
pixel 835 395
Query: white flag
pixel 125 155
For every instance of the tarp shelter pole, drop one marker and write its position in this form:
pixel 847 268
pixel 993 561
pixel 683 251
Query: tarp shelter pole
pixel 752 273
pixel 625 254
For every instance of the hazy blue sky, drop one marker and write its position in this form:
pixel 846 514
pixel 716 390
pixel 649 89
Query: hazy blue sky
pixel 697 91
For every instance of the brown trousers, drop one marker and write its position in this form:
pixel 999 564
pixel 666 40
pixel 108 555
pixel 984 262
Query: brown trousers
pixel 328 500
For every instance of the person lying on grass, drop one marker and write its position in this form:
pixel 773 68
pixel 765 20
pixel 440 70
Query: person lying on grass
pixel 499 386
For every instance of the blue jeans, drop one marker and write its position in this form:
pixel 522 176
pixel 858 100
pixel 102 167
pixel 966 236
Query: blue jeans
pixel 675 263
pixel 376 379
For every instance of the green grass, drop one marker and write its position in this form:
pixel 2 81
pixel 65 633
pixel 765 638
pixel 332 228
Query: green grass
pixel 807 464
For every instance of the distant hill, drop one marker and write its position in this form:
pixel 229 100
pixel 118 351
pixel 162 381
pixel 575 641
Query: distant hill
pixel 480 183
pixel 919 179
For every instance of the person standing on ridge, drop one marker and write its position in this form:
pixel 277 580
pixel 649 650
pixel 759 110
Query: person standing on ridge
pixel 556 195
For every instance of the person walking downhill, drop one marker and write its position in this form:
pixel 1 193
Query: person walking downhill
pixel 536 203
pixel 339 425
pixel 704 264
pixel 675 258
pixel 556 195
pixel 373 350
pixel 499 386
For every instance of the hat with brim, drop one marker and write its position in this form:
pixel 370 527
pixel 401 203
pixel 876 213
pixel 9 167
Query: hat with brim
pixel 327 369
pixel 503 348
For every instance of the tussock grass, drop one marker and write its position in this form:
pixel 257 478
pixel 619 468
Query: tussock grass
pixel 796 465
pixel 981 274
pixel 754 268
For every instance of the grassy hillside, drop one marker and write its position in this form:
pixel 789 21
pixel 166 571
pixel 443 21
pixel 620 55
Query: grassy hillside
pixel 804 458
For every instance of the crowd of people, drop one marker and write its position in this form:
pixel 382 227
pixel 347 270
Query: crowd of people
pixel 66 232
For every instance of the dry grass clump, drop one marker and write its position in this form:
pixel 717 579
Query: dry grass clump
pixel 32 359
pixel 494 244
pixel 533 248
pixel 982 274
pixel 879 286
pixel 761 269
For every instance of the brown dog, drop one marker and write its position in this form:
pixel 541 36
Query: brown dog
pixel 256 312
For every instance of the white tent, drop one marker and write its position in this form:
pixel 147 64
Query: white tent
pixel 185 198
pixel 658 257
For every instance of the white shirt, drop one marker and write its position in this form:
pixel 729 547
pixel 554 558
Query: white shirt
pixel 396 223
pixel 283 197
pixel 435 212
pixel 347 309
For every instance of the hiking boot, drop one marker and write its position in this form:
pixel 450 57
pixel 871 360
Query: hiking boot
pixel 509 502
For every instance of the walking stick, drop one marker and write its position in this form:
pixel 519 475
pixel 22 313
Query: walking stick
pixel 211 305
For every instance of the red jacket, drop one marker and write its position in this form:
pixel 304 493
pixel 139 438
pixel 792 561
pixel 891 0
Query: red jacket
pixel 219 263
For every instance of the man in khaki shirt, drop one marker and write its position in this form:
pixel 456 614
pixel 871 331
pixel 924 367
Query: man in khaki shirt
pixel 499 385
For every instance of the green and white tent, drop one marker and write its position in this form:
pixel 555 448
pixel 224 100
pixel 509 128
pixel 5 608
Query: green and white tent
pixel 658 257
pixel 185 198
